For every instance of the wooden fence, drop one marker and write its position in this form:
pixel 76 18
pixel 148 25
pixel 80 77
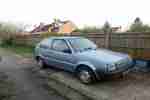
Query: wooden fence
pixel 136 44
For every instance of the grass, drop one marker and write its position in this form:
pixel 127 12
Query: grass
pixel 24 50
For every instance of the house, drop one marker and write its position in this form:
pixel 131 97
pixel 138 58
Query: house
pixel 61 27
pixel 116 29
pixel 41 28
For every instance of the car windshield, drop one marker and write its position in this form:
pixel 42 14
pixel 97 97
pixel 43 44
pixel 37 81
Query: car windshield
pixel 82 44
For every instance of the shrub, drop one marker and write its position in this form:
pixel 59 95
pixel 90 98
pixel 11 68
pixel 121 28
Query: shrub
pixel 8 32
pixel 89 29
pixel 8 41
pixel 138 26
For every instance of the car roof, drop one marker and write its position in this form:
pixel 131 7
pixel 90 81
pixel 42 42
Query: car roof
pixel 64 37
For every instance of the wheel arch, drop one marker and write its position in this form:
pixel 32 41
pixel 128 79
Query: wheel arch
pixel 86 64
pixel 89 65
pixel 37 58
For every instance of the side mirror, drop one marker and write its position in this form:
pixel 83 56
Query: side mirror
pixel 67 51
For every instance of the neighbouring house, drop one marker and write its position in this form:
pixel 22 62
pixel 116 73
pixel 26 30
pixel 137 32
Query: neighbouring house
pixel 61 27
pixel 116 29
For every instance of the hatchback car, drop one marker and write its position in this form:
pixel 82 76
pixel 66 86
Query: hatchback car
pixel 82 57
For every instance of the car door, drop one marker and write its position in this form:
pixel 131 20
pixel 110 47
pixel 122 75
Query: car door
pixel 61 55
pixel 44 48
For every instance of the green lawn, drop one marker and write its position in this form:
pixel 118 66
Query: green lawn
pixel 26 51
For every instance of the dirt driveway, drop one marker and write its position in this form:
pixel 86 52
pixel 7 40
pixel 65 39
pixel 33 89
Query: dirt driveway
pixel 134 86
pixel 28 87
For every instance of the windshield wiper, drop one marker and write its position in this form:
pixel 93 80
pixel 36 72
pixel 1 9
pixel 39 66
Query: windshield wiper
pixel 85 49
pixel 89 48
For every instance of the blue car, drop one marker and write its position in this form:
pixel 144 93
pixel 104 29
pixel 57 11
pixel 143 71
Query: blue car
pixel 82 57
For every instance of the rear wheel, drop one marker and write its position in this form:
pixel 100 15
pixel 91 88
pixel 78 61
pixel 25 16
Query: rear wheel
pixel 41 63
pixel 85 75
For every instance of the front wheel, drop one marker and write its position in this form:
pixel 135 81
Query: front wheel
pixel 85 75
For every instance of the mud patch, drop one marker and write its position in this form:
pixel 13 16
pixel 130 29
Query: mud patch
pixel 25 61
pixel 7 89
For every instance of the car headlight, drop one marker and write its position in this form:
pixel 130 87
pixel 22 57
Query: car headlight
pixel 129 58
pixel 111 67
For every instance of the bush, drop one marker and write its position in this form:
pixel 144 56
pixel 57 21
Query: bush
pixel 8 32
pixel 138 26
pixel 89 29
pixel 8 41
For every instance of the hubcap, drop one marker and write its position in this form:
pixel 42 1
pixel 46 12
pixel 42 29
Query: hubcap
pixel 85 76
pixel 40 63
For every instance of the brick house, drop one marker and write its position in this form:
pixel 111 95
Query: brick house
pixel 61 27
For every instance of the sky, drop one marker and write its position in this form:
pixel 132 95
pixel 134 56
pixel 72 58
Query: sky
pixel 81 12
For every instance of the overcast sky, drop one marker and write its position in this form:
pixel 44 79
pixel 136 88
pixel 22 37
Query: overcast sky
pixel 81 12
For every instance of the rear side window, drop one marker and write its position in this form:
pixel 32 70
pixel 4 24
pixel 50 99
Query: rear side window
pixel 59 45
pixel 45 44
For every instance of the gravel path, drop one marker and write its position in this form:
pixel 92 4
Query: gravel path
pixel 28 86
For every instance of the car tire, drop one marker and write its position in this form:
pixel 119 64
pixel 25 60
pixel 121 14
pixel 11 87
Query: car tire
pixel 41 63
pixel 85 75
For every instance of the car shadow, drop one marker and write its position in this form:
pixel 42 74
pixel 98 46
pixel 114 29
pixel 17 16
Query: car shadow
pixel 130 76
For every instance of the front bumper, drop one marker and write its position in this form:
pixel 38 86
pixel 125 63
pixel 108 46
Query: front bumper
pixel 116 71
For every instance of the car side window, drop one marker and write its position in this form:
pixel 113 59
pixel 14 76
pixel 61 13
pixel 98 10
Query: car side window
pixel 60 45
pixel 45 44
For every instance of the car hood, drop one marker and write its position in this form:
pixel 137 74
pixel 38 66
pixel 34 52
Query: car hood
pixel 105 56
